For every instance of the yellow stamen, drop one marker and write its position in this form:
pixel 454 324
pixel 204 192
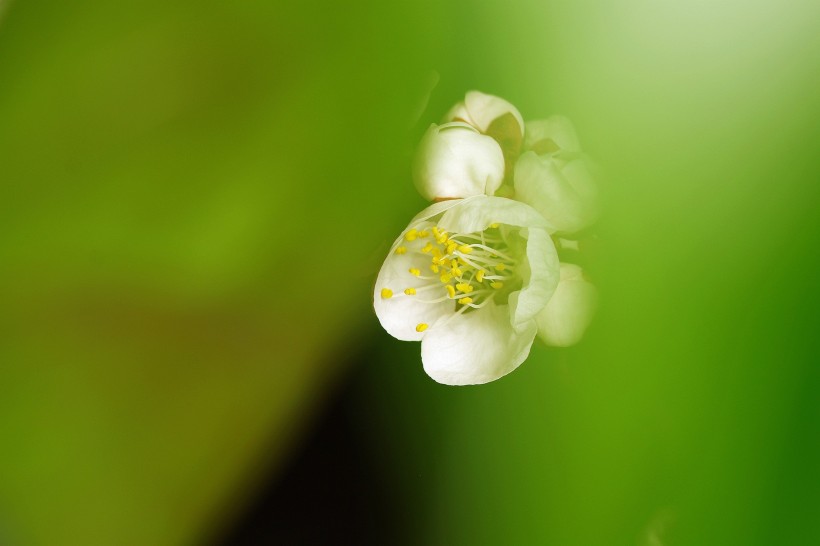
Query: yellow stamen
pixel 497 284
pixel 427 248
pixel 434 267
pixel 500 267
pixel 466 249
pixel 451 291
pixel 480 275
pixel 445 278
pixel 411 235
pixel 465 301
pixel 457 272
pixel 451 247
pixel 415 271
pixel 494 226
pixel 465 287
pixel 401 250
pixel 387 293
pixel 420 327
pixel 410 291
pixel 423 233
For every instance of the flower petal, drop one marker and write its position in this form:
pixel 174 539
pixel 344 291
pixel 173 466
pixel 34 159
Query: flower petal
pixel 553 134
pixel 398 313
pixel 455 160
pixel 478 213
pixel 483 109
pixel 540 280
pixel 476 347
pixel 564 194
pixel 565 318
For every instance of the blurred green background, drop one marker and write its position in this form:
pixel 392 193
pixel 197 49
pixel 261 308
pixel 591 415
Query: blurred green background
pixel 195 198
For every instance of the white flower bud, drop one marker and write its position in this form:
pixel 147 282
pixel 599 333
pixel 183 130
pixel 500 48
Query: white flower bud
pixel 480 110
pixel 564 192
pixel 553 134
pixel 570 310
pixel 454 160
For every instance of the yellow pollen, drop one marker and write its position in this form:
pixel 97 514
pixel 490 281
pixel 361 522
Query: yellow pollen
pixel 387 293
pixel 420 327
pixel 411 235
pixel 497 285
pixel 445 278
pixel 434 267
pixel 453 264
pixel 451 291
pixel 427 248
pixel 401 250
pixel 415 271
pixel 500 267
pixel 451 247
pixel 410 291
pixel 480 275
pixel 494 226
pixel 457 272
pixel 436 232
pixel 436 252
pixel 465 301
pixel 423 233
pixel 465 287
pixel 466 249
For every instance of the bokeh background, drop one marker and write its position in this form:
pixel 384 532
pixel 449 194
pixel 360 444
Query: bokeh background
pixel 196 196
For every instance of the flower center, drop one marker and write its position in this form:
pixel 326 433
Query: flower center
pixel 470 268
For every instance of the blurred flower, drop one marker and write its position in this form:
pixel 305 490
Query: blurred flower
pixel 566 316
pixel 554 177
pixel 468 278
pixel 455 160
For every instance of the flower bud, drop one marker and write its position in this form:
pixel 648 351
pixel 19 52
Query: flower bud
pixel 481 110
pixel 570 310
pixel 550 135
pixel 455 160
pixel 563 191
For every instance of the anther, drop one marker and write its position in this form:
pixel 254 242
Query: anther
pixel 451 291
pixel 500 267
pixel 497 284
pixel 427 248
pixel 421 327
pixel 434 268
pixel 465 301
pixel 411 235
pixel 410 291
pixel 480 275
pixel 387 293
pixel 415 271
pixel 445 278
pixel 401 250
pixel 466 249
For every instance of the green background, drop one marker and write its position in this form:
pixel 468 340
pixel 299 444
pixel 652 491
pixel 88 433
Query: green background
pixel 195 198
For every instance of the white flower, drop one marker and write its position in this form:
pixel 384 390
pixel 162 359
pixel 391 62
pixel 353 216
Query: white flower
pixel 568 313
pixel 467 278
pixel 553 176
pixel 554 134
pixel 455 160
pixel 480 110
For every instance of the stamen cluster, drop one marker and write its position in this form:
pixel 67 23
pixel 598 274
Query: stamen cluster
pixel 469 268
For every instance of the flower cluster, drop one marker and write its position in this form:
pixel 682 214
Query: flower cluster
pixel 476 275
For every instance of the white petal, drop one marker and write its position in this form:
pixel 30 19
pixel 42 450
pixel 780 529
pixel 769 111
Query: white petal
pixel 565 195
pixel 557 129
pixel 483 109
pixel 400 314
pixel 539 281
pixel 565 318
pixel 458 113
pixel 455 160
pixel 476 347
pixel 478 213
